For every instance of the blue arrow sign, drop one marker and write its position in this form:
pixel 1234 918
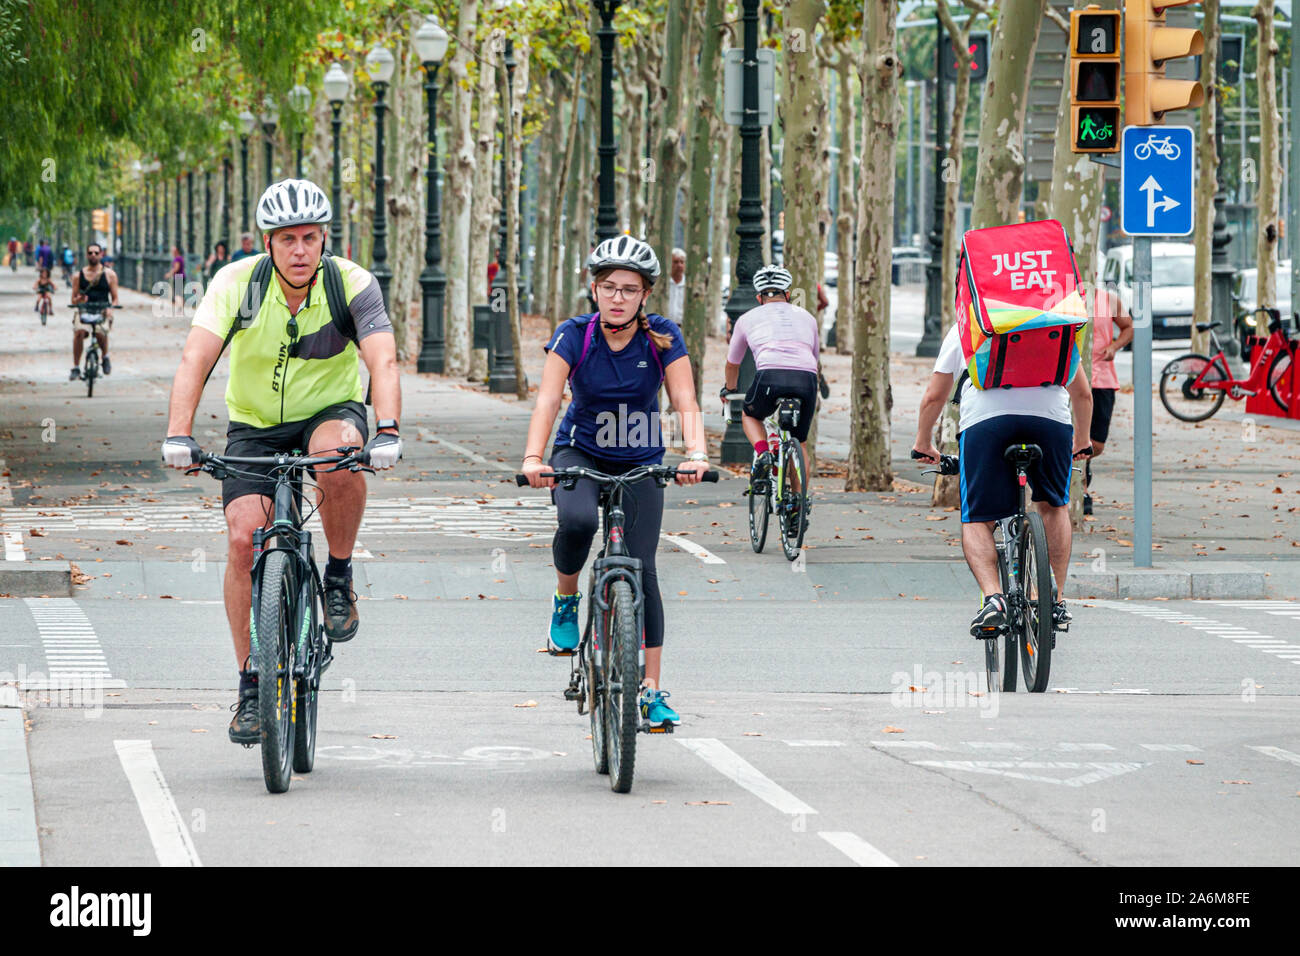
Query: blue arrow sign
pixel 1156 173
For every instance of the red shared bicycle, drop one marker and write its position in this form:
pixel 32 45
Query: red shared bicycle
pixel 1194 386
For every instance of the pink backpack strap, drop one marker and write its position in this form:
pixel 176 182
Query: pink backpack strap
pixel 586 347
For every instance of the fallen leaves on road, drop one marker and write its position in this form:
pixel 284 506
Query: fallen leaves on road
pixel 893 730
pixel 79 576
pixel 123 541
pixel 752 733
pixel 1246 782
pixel 528 703
pixel 36 532
pixel 559 753
pixel 1196 763
pixel 708 803
pixel 383 736
pixel 198 730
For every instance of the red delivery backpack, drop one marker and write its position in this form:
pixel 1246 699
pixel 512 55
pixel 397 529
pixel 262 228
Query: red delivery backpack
pixel 1020 315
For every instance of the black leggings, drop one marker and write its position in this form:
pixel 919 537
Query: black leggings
pixel 578 514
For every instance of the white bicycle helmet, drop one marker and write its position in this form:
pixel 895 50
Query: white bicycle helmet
pixel 624 252
pixel 292 202
pixel 772 279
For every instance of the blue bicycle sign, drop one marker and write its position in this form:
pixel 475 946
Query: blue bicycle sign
pixel 1157 170
pixel 1163 146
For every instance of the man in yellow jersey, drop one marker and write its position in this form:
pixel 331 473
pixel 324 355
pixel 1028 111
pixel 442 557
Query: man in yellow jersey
pixel 295 384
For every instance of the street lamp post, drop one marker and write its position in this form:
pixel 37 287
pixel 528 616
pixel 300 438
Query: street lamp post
pixel 270 117
pixel 430 43
pixel 207 215
pixel 606 211
pixel 932 333
pixel 337 84
pixel 735 447
pixel 501 361
pixel 379 64
pixel 189 211
pixel 247 123
pixel 300 102
pixel 1221 271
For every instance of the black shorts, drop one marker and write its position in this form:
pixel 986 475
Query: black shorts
pixel 252 442
pixel 772 384
pixel 1103 406
pixel 988 481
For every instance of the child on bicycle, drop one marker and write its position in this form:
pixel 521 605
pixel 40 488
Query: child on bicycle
pixel 44 287
pixel 612 425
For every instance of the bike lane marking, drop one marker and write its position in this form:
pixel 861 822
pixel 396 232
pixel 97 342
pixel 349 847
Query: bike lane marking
pixel 71 647
pixel 1277 752
pixel 1282 649
pixel 686 544
pixel 736 768
pixel 14 550
pixel 167 831
pixel 423 434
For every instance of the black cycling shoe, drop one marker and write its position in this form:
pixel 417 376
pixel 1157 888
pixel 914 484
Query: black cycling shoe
pixel 341 620
pixel 74 374
pixel 761 469
pixel 246 726
pixel 1061 616
pixel 108 366
pixel 1087 504
pixel 991 621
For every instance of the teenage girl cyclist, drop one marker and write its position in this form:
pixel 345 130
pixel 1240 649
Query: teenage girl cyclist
pixel 612 425
pixel 44 290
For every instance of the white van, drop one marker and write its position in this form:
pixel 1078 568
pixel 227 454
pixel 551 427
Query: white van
pixel 1173 270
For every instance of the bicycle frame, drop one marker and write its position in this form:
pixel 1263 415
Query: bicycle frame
pixel 288 535
pixel 1255 382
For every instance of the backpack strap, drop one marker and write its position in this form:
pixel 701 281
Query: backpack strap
pixel 956 392
pixel 249 306
pixel 586 346
pixel 337 301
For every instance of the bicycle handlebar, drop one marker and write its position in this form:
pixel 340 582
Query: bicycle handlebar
pixel 647 471
pixel 948 464
pixel 351 457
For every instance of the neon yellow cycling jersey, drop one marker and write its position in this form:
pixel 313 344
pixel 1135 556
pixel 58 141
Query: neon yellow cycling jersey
pixel 267 385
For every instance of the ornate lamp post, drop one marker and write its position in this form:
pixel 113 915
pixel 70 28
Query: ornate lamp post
pixel 247 123
pixel 380 64
pixel 337 85
pixel 270 117
pixel 300 103
pixel 430 43
pixel 606 211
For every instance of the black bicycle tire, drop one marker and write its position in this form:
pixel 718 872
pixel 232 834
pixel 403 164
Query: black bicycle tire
pixel 791 544
pixel 622 716
pixel 1036 654
pixel 92 371
pixel 1009 645
pixel 272 652
pixel 762 503
pixel 307 697
pixel 1273 379
pixel 1215 403
pixel 595 693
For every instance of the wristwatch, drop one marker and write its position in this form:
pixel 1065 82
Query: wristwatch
pixel 386 423
pixel 697 456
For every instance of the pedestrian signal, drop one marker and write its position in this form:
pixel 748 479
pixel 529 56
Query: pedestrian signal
pixel 978 48
pixel 1094 80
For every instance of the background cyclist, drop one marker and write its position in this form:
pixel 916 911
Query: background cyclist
pixel 612 425
pixel 295 386
pixel 95 287
pixel 1053 417
pixel 786 342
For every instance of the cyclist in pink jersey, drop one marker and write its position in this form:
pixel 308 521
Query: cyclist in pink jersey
pixel 786 343
pixel 1107 312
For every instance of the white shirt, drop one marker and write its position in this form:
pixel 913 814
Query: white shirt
pixel 978 404
pixel 676 300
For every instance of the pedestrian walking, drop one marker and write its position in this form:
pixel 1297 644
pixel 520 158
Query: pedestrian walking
pixel 1107 313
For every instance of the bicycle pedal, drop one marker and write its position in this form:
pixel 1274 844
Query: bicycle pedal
pixel 560 652
pixel 649 728
pixel 573 693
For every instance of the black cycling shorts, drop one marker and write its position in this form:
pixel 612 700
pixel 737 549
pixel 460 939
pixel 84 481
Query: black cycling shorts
pixel 988 481
pixel 252 442
pixel 1103 406
pixel 772 384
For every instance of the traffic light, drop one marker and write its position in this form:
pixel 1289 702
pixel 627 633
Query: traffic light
pixel 99 220
pixel 978 48
pixel 1094 80
pixel 1148 45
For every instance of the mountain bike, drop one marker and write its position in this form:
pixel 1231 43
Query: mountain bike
pixel 609 662
pixel 92 316
pixel 288 649
pixel 1025 573
pixel 1193 386
pixel 785 490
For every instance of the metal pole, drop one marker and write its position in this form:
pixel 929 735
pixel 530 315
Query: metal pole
pixel 336 223
pixel 189 212
pixel 1141 403
pixel 1221 269
pixel 207 217
pixel 910 217
pixel 243 180
pixel 606 211
pixel 299 166
pixel 735 446
pixel 379 257
pixel 502 374
pixel 267 143
pixel 932 334
pixel 432 280
pixel 1293 175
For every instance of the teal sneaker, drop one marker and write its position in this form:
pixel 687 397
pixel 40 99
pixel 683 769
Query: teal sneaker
pixel 564 621
pixel 654 711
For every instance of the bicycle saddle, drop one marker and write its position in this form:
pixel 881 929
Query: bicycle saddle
pixel 1206 326
pixel 1023 455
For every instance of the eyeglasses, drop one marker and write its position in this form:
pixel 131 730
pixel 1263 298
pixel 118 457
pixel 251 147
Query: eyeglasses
pixel 611 291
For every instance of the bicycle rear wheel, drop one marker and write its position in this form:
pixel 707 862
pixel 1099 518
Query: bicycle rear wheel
pixel 622 685
pixel 273 651
pixel 1036 591
pixel 311 648
pixel 1279 379
pixel 760 506
pixel 794 514
pixel 1185 403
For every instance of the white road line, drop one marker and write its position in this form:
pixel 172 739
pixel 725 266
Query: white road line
pixel 1277 752
pixel 919 744
pixel 464 452
pixel 814 743
pixel 14 550
pixel 72 649
pixel 686 544
pixel 855 848
pixel 1181 748
pixel 167 831
pixel 730 764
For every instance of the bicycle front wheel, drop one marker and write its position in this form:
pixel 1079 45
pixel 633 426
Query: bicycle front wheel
pixel 1185 402
pixel 272 649
pixel 311 650
pixel 594 667
pixel 794 513
pixel 1035 580
pixel 91 373
pixel 1009 639
pixel 760 506
pixel 622 685
pixel 1279 380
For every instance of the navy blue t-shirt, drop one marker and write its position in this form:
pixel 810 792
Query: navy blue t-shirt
pixel 615 409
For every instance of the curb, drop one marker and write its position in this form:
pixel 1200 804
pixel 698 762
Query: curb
pixel 20 579
pixel 19 844
pixel 1176 581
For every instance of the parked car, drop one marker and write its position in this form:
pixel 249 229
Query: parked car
pixel 1245 296
pixel 1173 268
